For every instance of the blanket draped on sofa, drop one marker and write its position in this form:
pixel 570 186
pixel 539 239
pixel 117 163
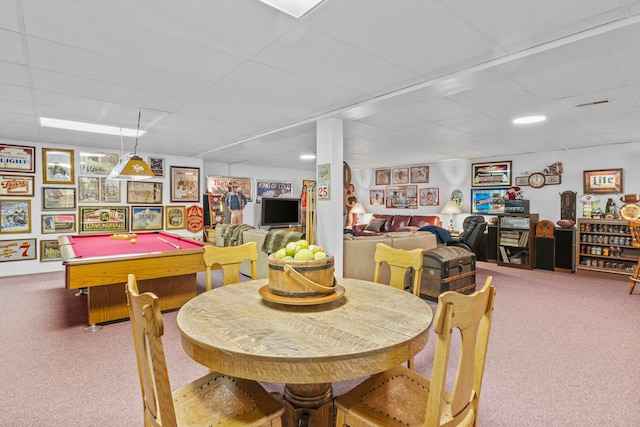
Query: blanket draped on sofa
pixel 232 233
pixel 276 239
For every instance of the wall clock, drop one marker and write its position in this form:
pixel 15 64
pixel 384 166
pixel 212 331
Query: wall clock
pixel 536 180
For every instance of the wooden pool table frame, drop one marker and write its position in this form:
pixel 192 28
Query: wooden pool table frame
pixel 171 275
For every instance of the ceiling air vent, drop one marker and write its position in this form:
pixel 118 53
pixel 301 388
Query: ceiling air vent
pixel 586 104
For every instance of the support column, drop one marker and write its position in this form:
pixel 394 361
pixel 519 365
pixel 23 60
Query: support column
pixel 330 222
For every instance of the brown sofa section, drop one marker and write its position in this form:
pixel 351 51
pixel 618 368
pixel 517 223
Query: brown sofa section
pixel 381 224
pixel 358 251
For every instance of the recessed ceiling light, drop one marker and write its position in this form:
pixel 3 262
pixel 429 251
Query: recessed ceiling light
pixel 307 156
pixel 89 127
pixel 529 119
pixel 295 8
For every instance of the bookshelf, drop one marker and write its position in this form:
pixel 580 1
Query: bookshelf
pixel 516 240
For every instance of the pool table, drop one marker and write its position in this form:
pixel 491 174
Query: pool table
pixel 163 263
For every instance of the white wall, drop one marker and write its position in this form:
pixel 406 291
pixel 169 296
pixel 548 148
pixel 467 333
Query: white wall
pixel 35 266
pixel 544 201
pixel 447 176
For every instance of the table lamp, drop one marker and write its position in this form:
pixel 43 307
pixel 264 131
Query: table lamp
pixel 451 207
pixel 358 209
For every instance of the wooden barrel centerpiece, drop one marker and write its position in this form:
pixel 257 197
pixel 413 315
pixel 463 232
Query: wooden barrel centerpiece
pixel 301 279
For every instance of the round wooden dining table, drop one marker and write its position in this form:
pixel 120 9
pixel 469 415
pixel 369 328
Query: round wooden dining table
pixel 369 329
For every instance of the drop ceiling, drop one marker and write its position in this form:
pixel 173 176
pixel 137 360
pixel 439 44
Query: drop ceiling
pixel 235 81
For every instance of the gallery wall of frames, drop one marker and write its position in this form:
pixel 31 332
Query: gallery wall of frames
pixel 46 192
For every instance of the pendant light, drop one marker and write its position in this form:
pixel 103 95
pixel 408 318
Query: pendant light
pixel 131 166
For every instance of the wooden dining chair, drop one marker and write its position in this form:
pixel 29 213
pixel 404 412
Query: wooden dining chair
pixel 401 397
pixel 399 261
pixel 634 228
pixel 209 400
pixel 229 258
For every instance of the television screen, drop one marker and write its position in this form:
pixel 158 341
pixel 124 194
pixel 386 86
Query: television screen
pixel 280 212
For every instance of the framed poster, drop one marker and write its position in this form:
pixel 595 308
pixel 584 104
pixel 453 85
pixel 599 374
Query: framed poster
pixel 49 251
pixel 175 218
pixel 430 196
pixel 109 190
pixel 185 184
pixel 383 176
pixel 402 197
pixel 88 189
pixel 58 223
pixel 58 198
pixel 266 188
pixel 17 250
pixel 157 165
pixel 419 174
pixel 16 185
pixel 495 174
pixel 602 181
pixel 17 158
pixel 488 200
pixel 102 219
pixel 146 218
pixel 15 216
pixel 400 175
pixel 144 192
pixel 376 197
pixel 219 185
pixel 323 188
pixel 57 166
pixel 97 163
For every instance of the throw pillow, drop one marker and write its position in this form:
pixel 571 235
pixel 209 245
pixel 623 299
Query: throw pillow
pixel 375 224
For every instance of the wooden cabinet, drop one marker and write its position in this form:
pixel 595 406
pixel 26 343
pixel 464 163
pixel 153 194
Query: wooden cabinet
pixel 604 249
pixel 516 240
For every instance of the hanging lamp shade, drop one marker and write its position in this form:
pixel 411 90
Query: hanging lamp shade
pixel 131 166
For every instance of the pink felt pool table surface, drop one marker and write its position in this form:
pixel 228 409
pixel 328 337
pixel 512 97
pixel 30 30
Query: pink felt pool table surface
pixel 164 263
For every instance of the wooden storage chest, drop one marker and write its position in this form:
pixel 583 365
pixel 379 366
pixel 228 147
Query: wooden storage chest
pixel 447 268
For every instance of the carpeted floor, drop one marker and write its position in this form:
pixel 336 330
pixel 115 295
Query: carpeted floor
pixel 564 351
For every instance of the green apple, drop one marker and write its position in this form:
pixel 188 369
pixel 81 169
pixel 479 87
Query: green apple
pixel 291 248
pixel 288 258
pixel 281 253
pixel 319 255
pixel 304 254
pixel 302 244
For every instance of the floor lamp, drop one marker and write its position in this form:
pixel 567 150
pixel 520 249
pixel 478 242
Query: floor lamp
pixel 451 207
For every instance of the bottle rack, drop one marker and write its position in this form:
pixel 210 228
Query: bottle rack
pixel 605 249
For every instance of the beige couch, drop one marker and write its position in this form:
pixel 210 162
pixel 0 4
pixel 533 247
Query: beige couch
pixel 358 251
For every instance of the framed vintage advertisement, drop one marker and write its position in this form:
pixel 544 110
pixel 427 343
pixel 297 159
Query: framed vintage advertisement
pixel 58 198
pixel 175 218
pixel 49 251
pixel 57 166
pixel 488 200
pixel 219 185
pixel 103 219
pixel 157 165
pixel 17 158
pixel 58 223
pixel 430 196
pixel 16 185
pixel 419 174
pixel 15 216
pixel 17 250
pixel 185 184
pixel 144 192
pixel 267 188
pixel 376 197
pixel 88 189
pixel 109 190
pixel 494 174
pixel 400 175
pixel 146 218
pixel 383 176
pixel 402 197
pixel 97 163
pixel 603 181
